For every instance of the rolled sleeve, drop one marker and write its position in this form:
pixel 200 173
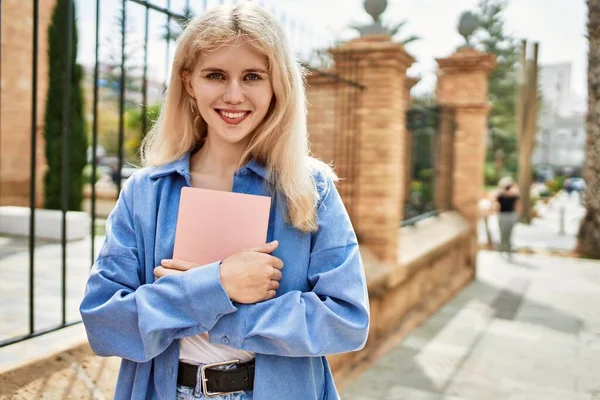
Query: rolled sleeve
pixel 136 321
pixel 331 318
pixel 197 295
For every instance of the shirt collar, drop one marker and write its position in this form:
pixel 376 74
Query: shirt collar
pixel 182 167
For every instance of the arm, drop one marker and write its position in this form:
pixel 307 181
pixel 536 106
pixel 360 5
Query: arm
pixel 124 318
pixel 495 203
pixel 332 318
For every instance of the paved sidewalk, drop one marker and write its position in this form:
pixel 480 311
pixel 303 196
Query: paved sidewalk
pixel 544 233
pixel 529 330
pixel 14 296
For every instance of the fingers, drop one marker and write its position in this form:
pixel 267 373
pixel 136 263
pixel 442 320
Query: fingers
pixel 267 248
pixel 159 272
pixel 275 262
pixel 271 294
pixel 273 285
pixel 276 274
pixel 178 264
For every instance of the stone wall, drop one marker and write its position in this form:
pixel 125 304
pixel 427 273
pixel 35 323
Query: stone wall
pixel 322 116
pixel 15 109
pixel 434 265
pixel 381 68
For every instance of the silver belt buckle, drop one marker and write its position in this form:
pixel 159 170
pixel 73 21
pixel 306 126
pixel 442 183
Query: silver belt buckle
pixel 204 380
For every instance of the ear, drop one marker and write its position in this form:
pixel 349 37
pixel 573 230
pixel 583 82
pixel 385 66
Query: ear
pixel 187 83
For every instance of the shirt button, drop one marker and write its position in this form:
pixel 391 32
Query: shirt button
pixel 225 340
pixel 244 171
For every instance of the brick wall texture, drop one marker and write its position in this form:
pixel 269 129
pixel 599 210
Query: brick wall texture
pixel 16 94
pixel 462 86
pixel 378 169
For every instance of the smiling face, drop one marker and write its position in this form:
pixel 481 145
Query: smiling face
pixel 233 91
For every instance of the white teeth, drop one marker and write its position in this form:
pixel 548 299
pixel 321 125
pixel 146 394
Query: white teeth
pixel 233 115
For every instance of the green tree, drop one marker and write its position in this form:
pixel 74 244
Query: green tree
pixel 134 132
pixel 111 73
pixel 492 38
pixel 57 48
pixel 173 31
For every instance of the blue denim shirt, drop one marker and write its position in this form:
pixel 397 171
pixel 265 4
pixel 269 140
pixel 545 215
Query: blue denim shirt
pixel 321 306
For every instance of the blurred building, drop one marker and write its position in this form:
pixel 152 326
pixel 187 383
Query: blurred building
pixel 561 137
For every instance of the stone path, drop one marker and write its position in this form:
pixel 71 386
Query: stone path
pixel 544 233
pixel 527 330
pixel 14 295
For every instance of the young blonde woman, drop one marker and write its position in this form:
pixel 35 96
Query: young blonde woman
pixel 233 120
pixel 507 200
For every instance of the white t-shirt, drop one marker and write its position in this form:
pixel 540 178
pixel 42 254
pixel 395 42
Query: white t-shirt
pixel 198 350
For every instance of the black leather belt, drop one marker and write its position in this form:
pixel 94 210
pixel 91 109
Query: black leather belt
pixel 218 381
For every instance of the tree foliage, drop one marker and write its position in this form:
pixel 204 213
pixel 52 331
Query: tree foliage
pixel 491 37
pixel 53 132
pixel 111 72
pixel 134 132
pixel 172 31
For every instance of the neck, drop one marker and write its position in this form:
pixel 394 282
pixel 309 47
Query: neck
pixel 217 158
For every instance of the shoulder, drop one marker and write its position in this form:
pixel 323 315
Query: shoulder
pixel 141 177
pixel 324 178
pixel 139 184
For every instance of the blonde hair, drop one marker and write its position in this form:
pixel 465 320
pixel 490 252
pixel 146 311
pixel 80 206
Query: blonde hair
pixel 280 141
pixel 506 181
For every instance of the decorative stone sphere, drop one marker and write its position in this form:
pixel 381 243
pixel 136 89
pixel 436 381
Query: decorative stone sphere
pixel 467 24
pixel 375 8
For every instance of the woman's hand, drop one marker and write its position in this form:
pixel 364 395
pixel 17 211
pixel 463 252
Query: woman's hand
pixel 252 275
pixel 248 277
pixel 170 267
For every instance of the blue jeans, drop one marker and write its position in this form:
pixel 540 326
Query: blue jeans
pixel 188 393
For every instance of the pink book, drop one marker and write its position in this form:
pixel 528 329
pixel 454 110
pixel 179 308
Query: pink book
pixel 213 225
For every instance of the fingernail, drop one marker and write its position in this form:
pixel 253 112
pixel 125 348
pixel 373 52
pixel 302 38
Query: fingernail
pixel 165 261
pixel 273 242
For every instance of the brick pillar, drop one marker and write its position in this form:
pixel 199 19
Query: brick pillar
pixel 15 111
pixel 463 86
pixel 381 67
pixel 445 143
pixel 321 118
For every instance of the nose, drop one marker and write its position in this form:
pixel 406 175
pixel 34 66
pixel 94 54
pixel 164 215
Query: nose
pixel 234 93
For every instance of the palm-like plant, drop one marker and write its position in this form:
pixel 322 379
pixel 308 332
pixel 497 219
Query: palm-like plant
pixel 375 9
pixel 395 29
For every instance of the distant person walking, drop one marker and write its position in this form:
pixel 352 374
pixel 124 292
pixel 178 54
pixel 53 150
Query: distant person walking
pixel 507 199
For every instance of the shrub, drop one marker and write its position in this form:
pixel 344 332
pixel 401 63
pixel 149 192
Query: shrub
pixel 77 144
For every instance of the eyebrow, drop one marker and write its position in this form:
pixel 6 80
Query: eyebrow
pixel 244 71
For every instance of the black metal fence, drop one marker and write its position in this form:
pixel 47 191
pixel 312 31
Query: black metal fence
pixel 429 161
pixel 169 17
pixel 129 87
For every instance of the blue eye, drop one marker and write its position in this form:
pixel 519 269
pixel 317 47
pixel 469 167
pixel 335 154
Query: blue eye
pixel 215 76
pixel 252 77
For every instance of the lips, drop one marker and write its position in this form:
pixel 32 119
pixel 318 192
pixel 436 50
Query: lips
pixel 233 117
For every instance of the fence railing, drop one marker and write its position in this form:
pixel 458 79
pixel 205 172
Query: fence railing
pixel 428 161
pixel 125 97
pixel 169 15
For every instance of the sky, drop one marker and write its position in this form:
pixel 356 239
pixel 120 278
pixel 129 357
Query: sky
pixel 558 25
